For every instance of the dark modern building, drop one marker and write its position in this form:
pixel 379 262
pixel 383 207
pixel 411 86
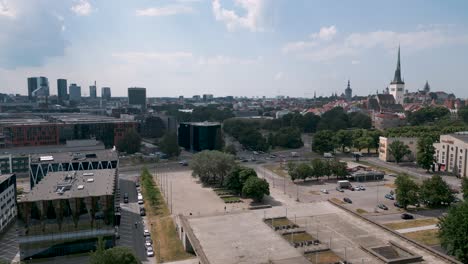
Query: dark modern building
pixel 37 86
pixel 8 200
pixel 92 91
pixel 106 93
pixel 66 213
pixel 200 136
pixel 28 131
pixel 137 97
pixel 62 93
pixel 43 164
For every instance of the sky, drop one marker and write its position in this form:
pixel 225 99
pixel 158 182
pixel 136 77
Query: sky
pixel 234 47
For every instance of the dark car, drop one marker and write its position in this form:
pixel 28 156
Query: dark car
pixel 406 216
pixel 142 211
pixel 396 204
pixel 339 189
pixel 125 197
pixel 389 196
pixel 346 199
pixel 382 206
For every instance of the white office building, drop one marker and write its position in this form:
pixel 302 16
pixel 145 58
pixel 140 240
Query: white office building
pixel 452 153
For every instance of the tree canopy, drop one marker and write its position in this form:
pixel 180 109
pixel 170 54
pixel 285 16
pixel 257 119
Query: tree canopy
pixel 169 145
pixel 256 188
pixel 323 141
pixel 452 231
pixel 435 192
pixel 465 188
pixel 406 191
pixel 426 152
pixel 237 177
pixel 130 143
pixel 212 166
pixel 398 150
pixel 115 255
pixel 427 115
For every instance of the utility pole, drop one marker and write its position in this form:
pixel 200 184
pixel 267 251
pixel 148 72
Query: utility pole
pixel 171 197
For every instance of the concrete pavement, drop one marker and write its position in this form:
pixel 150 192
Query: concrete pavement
pixel 419 228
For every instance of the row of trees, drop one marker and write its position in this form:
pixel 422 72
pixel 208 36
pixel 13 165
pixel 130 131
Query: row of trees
pixel 433 192
pixel 328 140
pixel 427 115
pixel 317 168
pixel 115 255
pixel 425 154
pixel 219 169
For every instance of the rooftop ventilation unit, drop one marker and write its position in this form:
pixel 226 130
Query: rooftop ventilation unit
pixel 88 174
pixel 90 180
pixel 80 187
pixel 46 158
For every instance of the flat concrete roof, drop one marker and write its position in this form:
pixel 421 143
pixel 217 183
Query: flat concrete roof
pixel 103 182
pixel 243 237
pixel 75 146
pixel 463 136
pixel 201 123
pixel 4 177
pixel 27 121
pixel 77 118
pixel 61 157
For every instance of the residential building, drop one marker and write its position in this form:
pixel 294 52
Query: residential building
pixel 43 164
pixel 207 97
pixel 397 86
pixel 106 93
pixel 384 143
pixel 62 90
pixel 75 93
pixel 37 86
pixel 7 200
pixel 452 153
pixel 137 97
pixel 66 213
pixel 198 136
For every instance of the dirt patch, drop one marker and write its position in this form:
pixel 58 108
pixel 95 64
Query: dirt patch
pixel 315 192
pixel 336 200
pixel 361 211
pixel 323 257
pixel 277 170
pixel 390 185
pixel 412 223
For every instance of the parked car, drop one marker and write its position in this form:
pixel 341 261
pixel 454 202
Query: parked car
pixel 339 189
pixel 146 232
pixel 142 211
pixel 148 240
pixel 406 216
pixel 389 196
pixel 346 199
pixel 396 204
pixel 183 163
pixel 137 184
pixel 324 191
pixel 361 188
pixel 382 206
pixel 150 253
pixel 125 197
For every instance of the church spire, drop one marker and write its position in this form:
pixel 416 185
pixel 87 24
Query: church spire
pixel 397 79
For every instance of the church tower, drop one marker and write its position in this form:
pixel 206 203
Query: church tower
pixel 348 92
pixel 397 86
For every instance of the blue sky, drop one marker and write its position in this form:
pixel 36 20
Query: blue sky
pixel 234 47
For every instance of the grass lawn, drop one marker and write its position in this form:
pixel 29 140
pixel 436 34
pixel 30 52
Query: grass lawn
pixel 338 201
pixel 298 237
pixel 427 237
pixel 162 225
pixel 282 221
pixel 323 257
pixel 412 223
pixel 361 211
pixel 277 170
pixel 231 199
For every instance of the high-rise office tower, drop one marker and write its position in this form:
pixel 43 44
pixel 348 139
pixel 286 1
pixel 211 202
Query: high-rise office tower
pixel 92 91
pixel 106 93
pixel 75 93
pixel 137 97
pixel 62 90
pixel 37 86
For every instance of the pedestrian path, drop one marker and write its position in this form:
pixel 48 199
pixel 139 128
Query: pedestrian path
pixel 419 228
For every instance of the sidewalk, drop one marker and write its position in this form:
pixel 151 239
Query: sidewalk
pixel 419 228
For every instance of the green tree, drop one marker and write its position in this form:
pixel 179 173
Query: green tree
pixel 334 120
pixel 319 168
pixel 303 171
pixel 115 255
pixel 436 192
pixel 426 152
pixel 212 166
pixel 311 122
pixel 237 177
pixel 465 188
pixel 169 145
pixel 398 150
pixel 406 190
pixel 463 114
pixel 339 169
pixel 288 137
pixel 130 143
pixel 343 139
pixel 219 140
pixel 230 149
pixel 153 127
pixel 256 188
pixel 453 228
pixel 323 141
pixel 360 120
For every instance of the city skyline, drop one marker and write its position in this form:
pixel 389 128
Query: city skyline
pixel 239 47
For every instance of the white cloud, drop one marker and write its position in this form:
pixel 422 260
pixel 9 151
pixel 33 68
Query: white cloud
pixel 325 33
pixel 169 57
pixel 82 8
pixel 6 11
pixel 327 47
pixel 165 10
pixel 252 20
pixel 278 76
pixel 227 60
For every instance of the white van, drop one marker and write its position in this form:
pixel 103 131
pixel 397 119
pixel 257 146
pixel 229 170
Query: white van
pixel 327 155
pixel 140 199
